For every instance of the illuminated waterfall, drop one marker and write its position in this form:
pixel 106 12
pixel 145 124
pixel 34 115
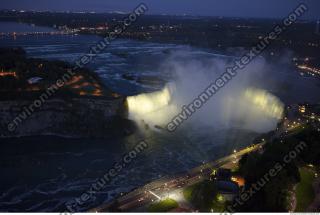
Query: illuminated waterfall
pixel 153 108
pixel 266 102
pixel 251 108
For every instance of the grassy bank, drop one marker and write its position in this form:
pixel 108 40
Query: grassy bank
pixel 163 206
pixel 304 191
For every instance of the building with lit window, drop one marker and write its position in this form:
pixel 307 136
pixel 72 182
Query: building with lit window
pixel 7 73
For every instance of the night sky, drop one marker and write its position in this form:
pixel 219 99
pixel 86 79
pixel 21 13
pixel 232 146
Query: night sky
pixel 233 8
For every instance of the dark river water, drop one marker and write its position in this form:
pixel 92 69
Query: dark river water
pixel 10 27
pixel 42 173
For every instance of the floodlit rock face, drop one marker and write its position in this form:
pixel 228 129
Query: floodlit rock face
pixel 74 117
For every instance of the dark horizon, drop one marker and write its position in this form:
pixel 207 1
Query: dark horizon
pixel 213 8
pixel 169 15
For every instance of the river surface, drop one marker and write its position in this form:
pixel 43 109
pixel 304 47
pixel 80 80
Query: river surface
pixel 42 173
pixel 11 27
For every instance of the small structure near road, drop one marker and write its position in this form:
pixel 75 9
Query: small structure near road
pixel 227 189
pixel 227 186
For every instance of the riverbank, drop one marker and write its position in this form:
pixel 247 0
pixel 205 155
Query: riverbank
pixel 40 97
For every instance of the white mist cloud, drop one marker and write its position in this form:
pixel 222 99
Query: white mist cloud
pixel 240 103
